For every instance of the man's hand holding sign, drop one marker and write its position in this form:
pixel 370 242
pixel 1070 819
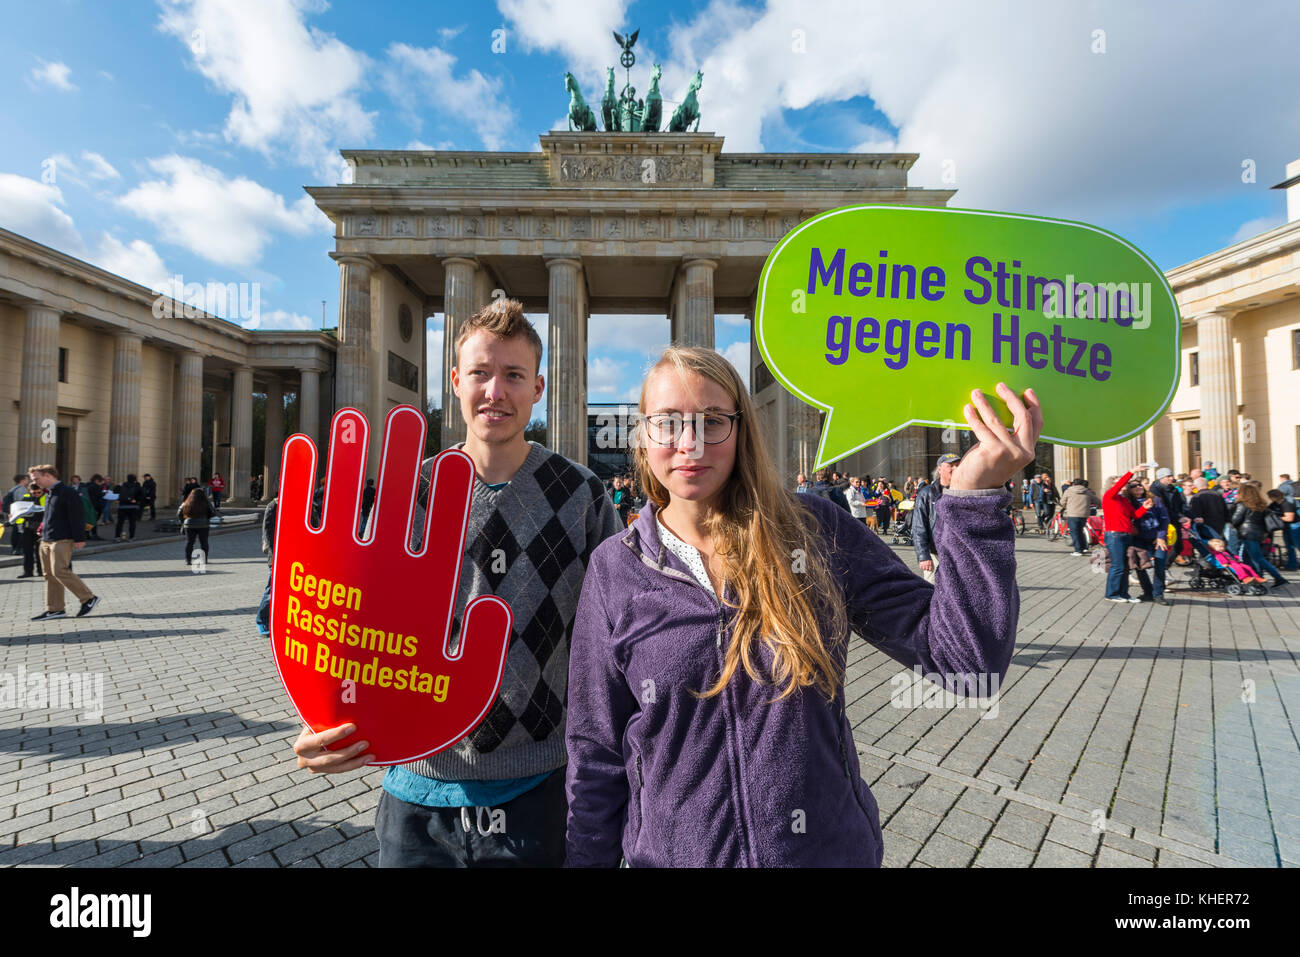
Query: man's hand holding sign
pixel 362 629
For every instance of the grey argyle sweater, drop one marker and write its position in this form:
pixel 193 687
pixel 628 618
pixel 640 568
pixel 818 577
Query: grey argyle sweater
pixel 546 521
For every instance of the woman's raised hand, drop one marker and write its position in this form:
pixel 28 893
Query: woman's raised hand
pixel 1000 453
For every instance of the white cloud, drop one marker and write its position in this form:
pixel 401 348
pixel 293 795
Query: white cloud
pixel 135 260
pixel 738 355
pixel 1254 227
pixel 280 319
pixel 295 88
pixel 97 167
pixel 53 74
pixel 226 221
pixel 636 333
pixel 447 34
pixel 33 209
pixel 1029 116
pixel 416 77
pixel 606 379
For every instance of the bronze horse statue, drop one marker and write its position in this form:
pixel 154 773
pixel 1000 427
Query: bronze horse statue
pixel 580 114
pixel 689 110
pixel 609 104
pixel 654 103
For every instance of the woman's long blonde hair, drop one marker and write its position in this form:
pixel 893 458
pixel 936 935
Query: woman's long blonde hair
pixel 770 548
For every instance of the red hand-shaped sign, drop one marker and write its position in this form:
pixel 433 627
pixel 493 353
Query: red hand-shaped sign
pixel 361 628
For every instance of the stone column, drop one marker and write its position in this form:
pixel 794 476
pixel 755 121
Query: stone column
pixel 907 454
pixel 38 411
pixel 696 323
pixel 354 333
pixel 221 459
pixel 1218 390
pixel 458 305
pixel 124 415
pixel 566 383
pixel 241 436
pixel 188 421
pixel 1129 455
pixel 309 408
pixel 1068 463
pixel 274 440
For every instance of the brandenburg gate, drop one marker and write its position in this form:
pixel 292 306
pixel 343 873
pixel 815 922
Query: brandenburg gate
pixel 595 222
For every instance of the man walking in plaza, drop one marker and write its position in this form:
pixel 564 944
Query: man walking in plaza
pixel 62 530
pixel 538 502
pixel 925 526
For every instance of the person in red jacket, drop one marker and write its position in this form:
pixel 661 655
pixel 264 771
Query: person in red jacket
pixel 218 486
pixel 1119 509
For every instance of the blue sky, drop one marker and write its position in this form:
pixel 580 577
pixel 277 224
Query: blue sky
pixel 175 137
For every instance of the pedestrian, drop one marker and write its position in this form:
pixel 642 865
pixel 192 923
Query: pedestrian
pixel 1151 536
pixel 128 506
pixel 149 497
pixel 1119 511
pixel 1291 534
pixel 925 516
pixel 108 498
pixel 1255 522
pixel 195 515
pixel 746 730
pixel 1077 503
pixel 554 509
pixel 27 510
pixel 622 500
pixel 63 531
pixel 367 502
pixel 1048 499
pixel 263 619
pixel 884 507
pixel 14 494
pixel 218 485
pixel 856 496
pixel 190 485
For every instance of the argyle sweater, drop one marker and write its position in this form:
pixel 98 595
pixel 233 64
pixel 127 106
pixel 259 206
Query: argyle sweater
pixel 546 520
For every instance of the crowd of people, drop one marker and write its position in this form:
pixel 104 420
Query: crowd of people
pixel 1145 525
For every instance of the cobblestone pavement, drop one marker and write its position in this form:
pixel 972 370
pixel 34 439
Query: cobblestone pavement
pixel 1123 736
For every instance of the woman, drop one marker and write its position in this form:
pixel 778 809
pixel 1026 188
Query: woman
pixel 1151 538
pixel 885 508
pixel 706 722
pixel 195 515
pixel 218 486
pixel 1048 499
pixel 1250 519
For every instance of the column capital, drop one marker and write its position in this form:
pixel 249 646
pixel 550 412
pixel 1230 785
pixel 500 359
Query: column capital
pixel 554 261
pixel 354 259
pixel 688 261
pixel 1218 313
pixel 127 334
pixel 458 260
pixel 40 307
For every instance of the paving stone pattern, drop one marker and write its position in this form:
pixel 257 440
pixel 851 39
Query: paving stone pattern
pixel 1124 736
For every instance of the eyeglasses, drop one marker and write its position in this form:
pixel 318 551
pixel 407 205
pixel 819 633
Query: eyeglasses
pixel 713 428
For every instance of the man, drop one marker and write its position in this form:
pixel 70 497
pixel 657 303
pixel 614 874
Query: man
pixel 191 484
pixel 218 485
pixel 925 528
pixel 801 484
pixel 541 504
pixel 1291 533
pixel 1076 504
pixel 824 488
pixel 622 500
pixel 149 497
pixel 367 502
pixel 1166 489
pixel 63 529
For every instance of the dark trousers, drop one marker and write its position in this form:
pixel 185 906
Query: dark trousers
pixel 882 520
pixel 1044 512
pixel 29 540
pixel 216 499
pixel 126 513
pixel 190 535
pixel 1076 533
pixel 414 836
pixel 153 512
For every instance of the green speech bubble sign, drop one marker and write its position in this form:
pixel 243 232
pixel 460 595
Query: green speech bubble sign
pixel 886 316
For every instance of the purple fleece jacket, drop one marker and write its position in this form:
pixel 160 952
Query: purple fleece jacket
pixel 662 778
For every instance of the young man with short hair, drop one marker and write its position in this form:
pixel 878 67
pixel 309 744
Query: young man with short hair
pixel 549 514
pixel 63 529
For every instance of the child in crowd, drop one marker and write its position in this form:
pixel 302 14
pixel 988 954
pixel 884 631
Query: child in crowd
pixel 1225 559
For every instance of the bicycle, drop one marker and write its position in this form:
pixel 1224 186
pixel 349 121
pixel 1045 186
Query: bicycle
pixel 1018 521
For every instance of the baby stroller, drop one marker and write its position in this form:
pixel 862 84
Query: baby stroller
pixel 1207 576
pixel 902 530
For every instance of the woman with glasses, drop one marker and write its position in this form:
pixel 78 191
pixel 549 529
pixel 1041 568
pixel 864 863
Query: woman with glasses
pixel 706 722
